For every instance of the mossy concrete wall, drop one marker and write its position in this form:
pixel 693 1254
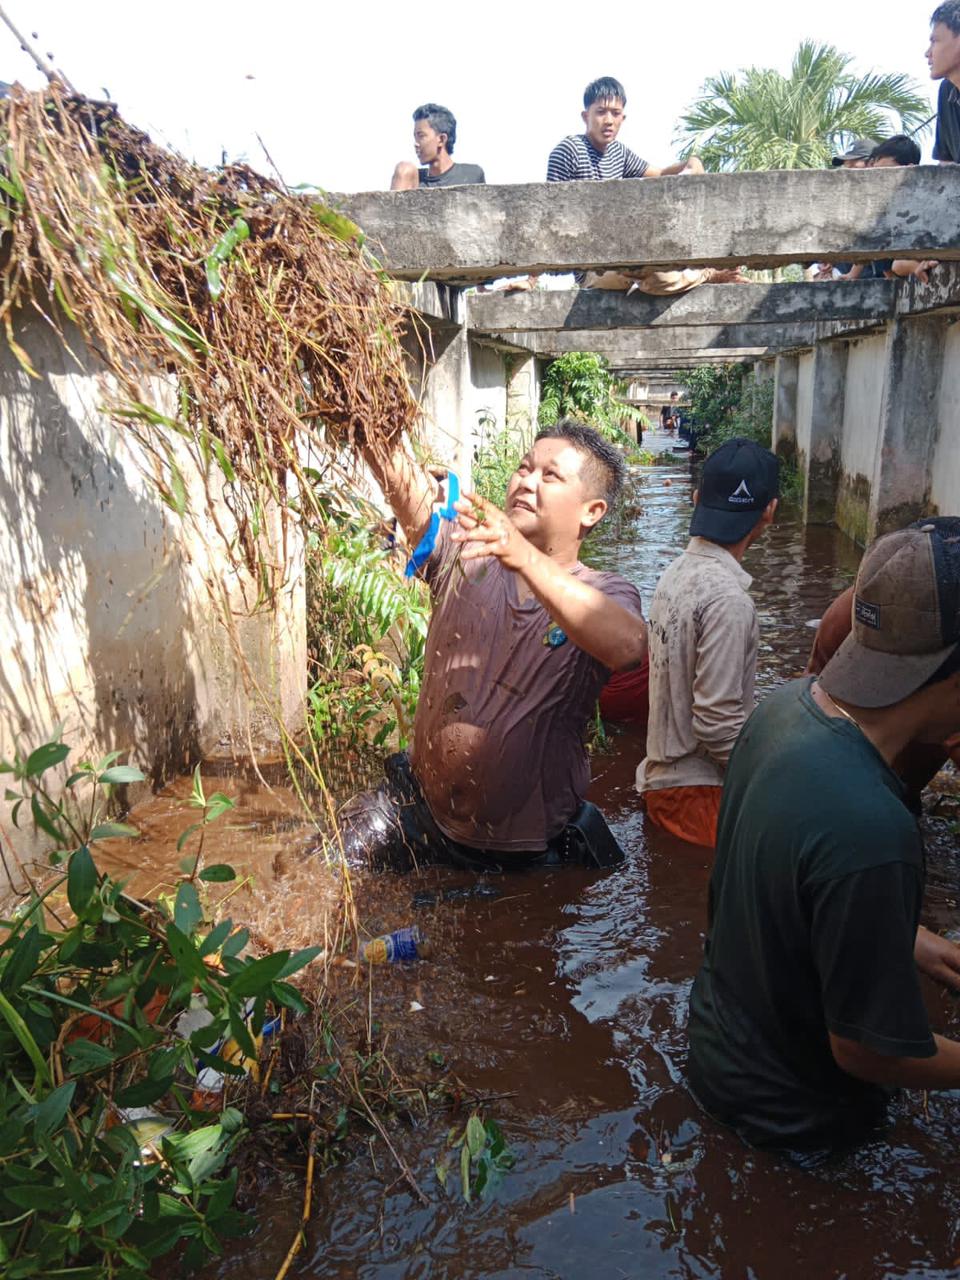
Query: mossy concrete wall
pixel 108 633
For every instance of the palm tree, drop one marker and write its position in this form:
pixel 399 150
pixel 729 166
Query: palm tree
pixel 760 119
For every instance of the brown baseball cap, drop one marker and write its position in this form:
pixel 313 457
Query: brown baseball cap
pixel 906 615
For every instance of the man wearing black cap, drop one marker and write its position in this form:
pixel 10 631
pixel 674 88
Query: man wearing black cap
pixel 807 1011
pixel 702 636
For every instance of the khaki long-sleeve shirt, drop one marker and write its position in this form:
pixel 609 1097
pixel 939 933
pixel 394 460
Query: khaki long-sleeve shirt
pixel 703 635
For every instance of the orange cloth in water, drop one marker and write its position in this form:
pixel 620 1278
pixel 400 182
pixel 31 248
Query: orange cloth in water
pixel 688 812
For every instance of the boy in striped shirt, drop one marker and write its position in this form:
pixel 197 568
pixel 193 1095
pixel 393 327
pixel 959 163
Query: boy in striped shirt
pixel 597 155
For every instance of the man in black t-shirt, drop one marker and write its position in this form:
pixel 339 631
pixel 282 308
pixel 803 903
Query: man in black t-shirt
pixel 434 137
pixel 807 1010
pixel 943 58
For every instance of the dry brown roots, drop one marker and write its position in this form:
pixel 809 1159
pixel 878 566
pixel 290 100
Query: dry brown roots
pixel 260 305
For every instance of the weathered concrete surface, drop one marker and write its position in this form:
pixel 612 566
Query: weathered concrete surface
pixel 909 423
pixel 945 471
pixel 716 304
pixel 440 303
pixel 821 462
pixel 759 219
pixel 863 397
pixel 690 360
pixel 106 621
pixel 638 343
pixel 941 292
pixel 785 407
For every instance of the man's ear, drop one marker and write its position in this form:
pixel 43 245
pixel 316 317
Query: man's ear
pixel 443 139
pixel 593 512
pixel 770 510
pixel 583 116
pixel 696 496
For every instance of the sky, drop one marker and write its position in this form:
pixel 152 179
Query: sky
pixel 330 87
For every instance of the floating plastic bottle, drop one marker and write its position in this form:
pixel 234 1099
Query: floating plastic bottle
pixel 391 948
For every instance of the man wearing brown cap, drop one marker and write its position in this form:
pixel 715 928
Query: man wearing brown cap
pixel 920 762
pixel 807 1011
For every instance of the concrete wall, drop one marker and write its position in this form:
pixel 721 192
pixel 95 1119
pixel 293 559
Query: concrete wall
pixel 106 624
pixel 804 406
pixel 945 479
pixel 877 425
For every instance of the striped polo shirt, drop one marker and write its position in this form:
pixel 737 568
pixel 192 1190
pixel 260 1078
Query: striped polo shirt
pixel 576 159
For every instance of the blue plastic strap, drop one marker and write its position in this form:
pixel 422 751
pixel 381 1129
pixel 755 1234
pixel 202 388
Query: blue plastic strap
pixel 425 547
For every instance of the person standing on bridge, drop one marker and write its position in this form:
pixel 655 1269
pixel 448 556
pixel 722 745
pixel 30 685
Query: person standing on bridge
pixel 434 137
pixel 703 637
pixel 598 156
pixel 943 59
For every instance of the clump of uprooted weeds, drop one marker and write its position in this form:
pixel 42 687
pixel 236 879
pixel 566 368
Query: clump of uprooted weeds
pixel 272 330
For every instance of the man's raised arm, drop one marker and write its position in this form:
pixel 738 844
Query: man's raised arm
pixel 407 486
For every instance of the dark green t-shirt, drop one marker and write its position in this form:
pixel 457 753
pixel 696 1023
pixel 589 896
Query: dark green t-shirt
pixel 814 905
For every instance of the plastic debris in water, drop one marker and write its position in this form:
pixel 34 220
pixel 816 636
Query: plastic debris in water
pixel 391 948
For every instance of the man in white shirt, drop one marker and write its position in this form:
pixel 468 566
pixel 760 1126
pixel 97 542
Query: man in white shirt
pixel 702 636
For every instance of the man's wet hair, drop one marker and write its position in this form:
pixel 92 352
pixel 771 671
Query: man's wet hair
pixel 949 15
pixel 606 89
pixel 440 119
pixel 899 148
pixel 604 468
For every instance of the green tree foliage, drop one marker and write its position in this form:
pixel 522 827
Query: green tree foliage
pixel 760 119
pixel 580 385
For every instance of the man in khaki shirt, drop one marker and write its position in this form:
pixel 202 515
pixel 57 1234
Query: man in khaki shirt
pixel 702 635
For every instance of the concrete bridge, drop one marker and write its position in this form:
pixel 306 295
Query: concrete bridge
pixel 867 373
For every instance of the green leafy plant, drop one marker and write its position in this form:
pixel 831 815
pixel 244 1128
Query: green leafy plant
pixel 580 385
pixel 484 1157
pixel 367 630
pixel 761 119
pixel 90 1005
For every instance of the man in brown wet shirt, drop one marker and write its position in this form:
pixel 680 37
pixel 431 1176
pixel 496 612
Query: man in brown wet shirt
pixel 522 639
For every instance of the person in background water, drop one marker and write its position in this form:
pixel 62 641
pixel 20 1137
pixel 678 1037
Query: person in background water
pixel 670 413
pixel 522 639
pixel 920 762
pixel 807 1011
pixel 703 637
pixel 434 137
pixel 943 59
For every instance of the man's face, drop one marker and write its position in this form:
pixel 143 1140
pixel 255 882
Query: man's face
pixel 885 162
pixel 427 143
pixel 603 121
pixel 943 53
pixel 547 499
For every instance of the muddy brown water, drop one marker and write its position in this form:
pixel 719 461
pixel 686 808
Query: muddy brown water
pixel 569 991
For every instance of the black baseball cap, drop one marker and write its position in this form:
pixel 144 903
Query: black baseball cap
pixel 860 149
pixel 906 615
pixel 737 483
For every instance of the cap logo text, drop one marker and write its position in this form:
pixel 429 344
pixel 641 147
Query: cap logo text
pixel 868 614
pixel 741 493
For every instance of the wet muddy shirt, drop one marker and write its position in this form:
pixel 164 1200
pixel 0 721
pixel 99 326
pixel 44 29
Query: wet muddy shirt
pixel 814 906
pixel 702 634
pixel 498 743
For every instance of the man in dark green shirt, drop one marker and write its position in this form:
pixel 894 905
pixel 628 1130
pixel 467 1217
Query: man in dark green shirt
pixel 807 1010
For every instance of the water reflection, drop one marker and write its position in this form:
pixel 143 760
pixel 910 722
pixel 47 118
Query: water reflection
pixel 569 991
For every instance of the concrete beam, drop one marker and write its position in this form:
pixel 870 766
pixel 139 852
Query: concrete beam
pixel 758 219
pixel 690 360
pixel 719 304
pixel 639 343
